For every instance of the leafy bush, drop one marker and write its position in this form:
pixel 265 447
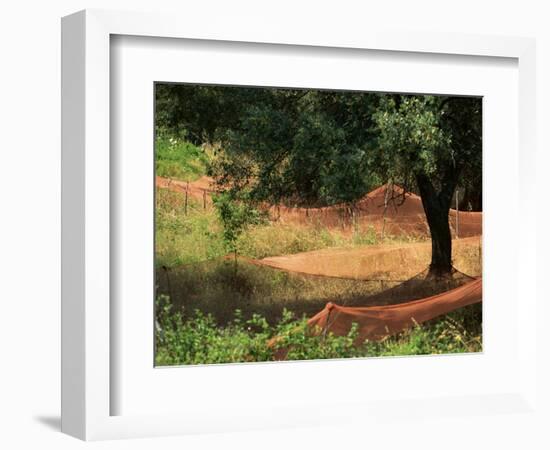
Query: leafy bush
pixel 199 340
pixel 236 215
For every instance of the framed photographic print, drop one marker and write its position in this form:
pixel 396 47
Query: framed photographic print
pixel 275 205
pixel 269 229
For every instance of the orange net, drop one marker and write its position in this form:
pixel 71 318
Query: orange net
pixel 200 189
pixel 387 210
pixel 399 261
pixel 377 322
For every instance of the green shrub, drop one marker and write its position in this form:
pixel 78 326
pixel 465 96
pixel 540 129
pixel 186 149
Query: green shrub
pixel 236 216
pixel 197 339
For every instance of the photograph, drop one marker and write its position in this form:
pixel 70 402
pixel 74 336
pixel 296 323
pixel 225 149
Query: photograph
pixel 305 224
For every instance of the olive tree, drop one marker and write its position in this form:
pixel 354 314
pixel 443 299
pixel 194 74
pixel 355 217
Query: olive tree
pixel 434 141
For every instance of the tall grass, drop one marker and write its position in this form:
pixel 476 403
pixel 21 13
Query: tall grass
pixel 182 238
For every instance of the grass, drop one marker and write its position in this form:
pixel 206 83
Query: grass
pixel 185 238
pixel 179 159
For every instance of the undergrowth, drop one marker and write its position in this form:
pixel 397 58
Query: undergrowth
pixel 199 340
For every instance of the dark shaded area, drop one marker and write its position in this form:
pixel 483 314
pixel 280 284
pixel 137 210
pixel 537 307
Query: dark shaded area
pixel 216 288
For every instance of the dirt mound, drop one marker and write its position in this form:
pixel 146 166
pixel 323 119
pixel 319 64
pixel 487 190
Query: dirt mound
pixel 386 262
pixel 200 189
pixel 377 322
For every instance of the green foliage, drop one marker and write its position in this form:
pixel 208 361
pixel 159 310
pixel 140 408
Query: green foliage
pixel 435 137
pixel 179 159
pixel 410 128
pixel 300 147
pixel 199 340
pixel 323 147
pixel 202 110
pixel 236 214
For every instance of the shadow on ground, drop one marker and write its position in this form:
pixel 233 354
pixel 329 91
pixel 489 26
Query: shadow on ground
pixel 51 422
pixel 220 287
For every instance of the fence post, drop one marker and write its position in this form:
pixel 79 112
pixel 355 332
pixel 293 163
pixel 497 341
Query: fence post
pixel 388 186
pixel 186 195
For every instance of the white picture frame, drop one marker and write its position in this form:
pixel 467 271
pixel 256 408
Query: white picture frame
pixel 87 326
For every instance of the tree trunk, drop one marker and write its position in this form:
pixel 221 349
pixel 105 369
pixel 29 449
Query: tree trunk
pixel 436 206
pixel 438 221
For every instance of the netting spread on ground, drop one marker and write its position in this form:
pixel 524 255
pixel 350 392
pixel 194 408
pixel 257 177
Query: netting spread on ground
pixel 218 287
pixel 386 210
pixel 384 289
pixel 377 322
pixel 399 261
pixel 200 190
